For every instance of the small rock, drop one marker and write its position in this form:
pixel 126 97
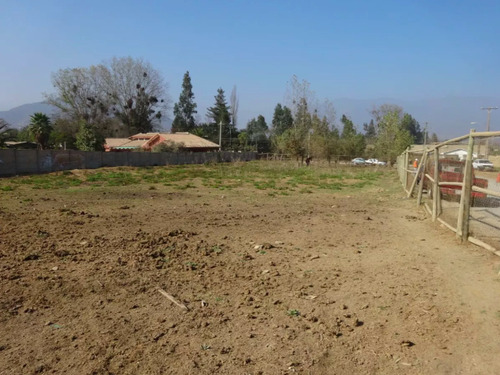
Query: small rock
pixel 54 268
pixel 32 257
pixel 407 343
pixel 314 257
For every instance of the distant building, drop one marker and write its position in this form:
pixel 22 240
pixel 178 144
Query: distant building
pixel 460 154
pixel 146 141
pixel 22 145
pixel 452 150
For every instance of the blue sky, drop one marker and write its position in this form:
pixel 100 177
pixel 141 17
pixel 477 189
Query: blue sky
pixel 404 50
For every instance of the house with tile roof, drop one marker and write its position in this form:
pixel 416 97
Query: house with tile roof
pixel 185 141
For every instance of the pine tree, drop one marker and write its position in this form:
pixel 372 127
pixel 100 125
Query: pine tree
pixel 282 119
pixel 220 116
pixel 352 144
pixel 185 108
pixel 370 130
pixel 257 130
pixel 413 127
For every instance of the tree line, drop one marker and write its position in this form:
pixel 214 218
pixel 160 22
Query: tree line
pixel 126 96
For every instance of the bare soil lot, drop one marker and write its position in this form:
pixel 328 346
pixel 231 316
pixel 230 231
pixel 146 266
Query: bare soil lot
pixel 334 272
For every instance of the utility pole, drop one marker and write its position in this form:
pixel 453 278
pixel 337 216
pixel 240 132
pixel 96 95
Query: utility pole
pixel 220 135
pixel 488 129
pixel 425 134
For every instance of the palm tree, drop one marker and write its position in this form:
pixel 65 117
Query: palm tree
pixel 40 128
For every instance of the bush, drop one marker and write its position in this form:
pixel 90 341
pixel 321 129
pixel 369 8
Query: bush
pixel 168 146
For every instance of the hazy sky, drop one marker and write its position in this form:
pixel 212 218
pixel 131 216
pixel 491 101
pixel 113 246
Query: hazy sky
pixel 346 49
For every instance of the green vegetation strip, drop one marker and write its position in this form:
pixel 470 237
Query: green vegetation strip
pixel 276 177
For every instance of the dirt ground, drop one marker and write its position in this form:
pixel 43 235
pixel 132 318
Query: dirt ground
pixel 311 283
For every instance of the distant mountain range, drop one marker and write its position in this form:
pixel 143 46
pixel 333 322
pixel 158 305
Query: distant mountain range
pixel 447 117
pixel 19 117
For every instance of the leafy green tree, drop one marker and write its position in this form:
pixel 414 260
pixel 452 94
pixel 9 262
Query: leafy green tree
pixel 352 144
pixel 198 131
pixel 168 146
pixel 434 138
pixel 220 116
pixel 392 138
pixel 40 128
pixel 64 133
pixel 282 119
pixel 185 108
pixel 257 130
pixel 89 138
pixel 24 135
pixel 323 139
pixel 293 142
pixel 6 133
pixel 243 140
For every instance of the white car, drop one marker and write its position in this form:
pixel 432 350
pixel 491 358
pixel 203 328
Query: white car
pixel 482 164
pixel 358 161
pixel 375 162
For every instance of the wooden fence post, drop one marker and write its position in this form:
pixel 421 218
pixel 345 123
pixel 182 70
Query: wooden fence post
pixel 436 192
pixel 422 179
pixel 439 206
pixel 465 199
pixel 415 179
pixel 405 167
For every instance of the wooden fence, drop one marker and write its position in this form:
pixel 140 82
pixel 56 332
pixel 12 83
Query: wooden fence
pixel 414 180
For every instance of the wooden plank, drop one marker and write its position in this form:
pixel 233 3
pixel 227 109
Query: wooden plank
pixel 171 298
pixel 486 191
pixel 458 184
pixel 478 242
pixel 447 225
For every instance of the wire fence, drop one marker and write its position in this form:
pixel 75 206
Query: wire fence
pixel 458 183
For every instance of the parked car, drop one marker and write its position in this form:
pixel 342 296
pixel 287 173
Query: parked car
pixel 375 162
pixel 358 161
pixel 482 164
